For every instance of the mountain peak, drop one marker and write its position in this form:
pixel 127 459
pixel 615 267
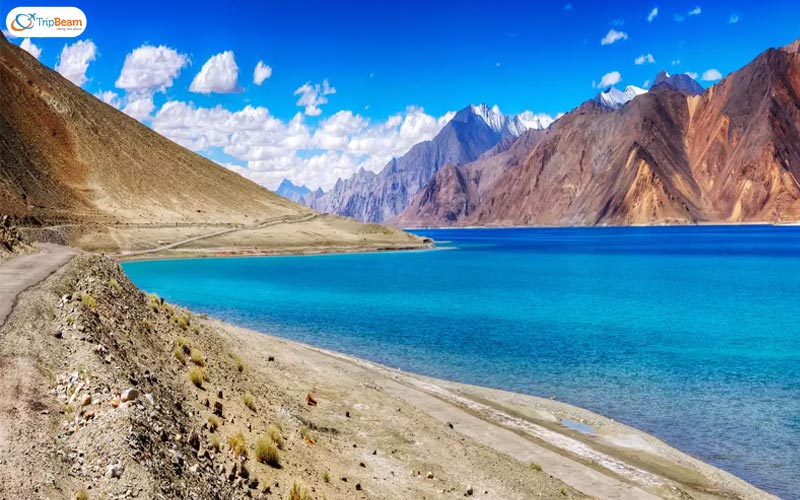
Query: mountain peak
pixel 681 82
pixel 613 98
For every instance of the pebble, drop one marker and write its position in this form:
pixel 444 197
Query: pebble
pixel 429 475
pixel 129 395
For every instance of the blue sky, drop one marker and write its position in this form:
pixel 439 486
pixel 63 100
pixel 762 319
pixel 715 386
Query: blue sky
pixel 384 57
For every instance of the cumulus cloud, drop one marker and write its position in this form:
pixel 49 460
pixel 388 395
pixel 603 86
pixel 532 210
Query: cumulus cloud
pixel 219 74
pixel 261 73
pixel 150 68
pixel 74 61
pixel 613 36
pixel 692 74
pixel 711 75
pixel 609 79
pixel 652 15
pixel 695 12
pixel 312 96
pixel 109 97
pixel 734 19
pixel 269 149
pixel 31 48
pixel 644 58
pixel 146 71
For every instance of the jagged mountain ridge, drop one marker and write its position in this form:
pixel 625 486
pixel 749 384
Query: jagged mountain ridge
pixel 368 196
pixel 730 154
pixel 288 190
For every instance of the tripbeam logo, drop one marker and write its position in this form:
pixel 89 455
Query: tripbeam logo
pixel 46 21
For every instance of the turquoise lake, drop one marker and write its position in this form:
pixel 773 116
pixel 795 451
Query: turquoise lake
pixel 688 333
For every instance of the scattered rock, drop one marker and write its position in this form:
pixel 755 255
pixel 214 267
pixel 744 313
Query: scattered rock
pixel 429 475
pixel 129 395
pixel 59 334
pixel 86 400
pixel 450 424
pixel 194 440
pixel 194 468
pixel 469 492
pixel 218 408
pixel 347 414
pixel 358 486
pixel 310 401
pixel 271 358
pixel 114 470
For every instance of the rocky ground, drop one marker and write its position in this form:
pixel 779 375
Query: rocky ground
pixel 11 240
pixel 106 392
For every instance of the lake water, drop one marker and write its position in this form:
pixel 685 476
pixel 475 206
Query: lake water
pixel 688 333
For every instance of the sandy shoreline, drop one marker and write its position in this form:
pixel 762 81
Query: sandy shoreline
pixel 639 464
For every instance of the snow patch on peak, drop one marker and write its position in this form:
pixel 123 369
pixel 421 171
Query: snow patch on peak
pixel 537 121
pixel 613 98
pixel 505 124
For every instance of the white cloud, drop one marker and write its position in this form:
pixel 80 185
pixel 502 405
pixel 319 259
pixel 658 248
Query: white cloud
pixel 269 149
pixel 734 19
pixel 692 74
pixel 74 61
pixel 31 48
pixel 110 97
pixel 261 73
pixel 613 36
pixel 147 70
pixel 646 84
pixel 312 96
pixel 609 79
pixel 219 74
pixel 151 68
pixel 675 62
pixel 644 58
pixel 711 75
pixel 695 12
pixel 652 15
pixel 535 120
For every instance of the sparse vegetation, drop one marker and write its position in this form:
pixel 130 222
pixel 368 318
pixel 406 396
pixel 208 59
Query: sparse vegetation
pixel 115 285
pixel 82 495
pixel 299 492
pixel 183 321
pixel 238 445
pixel 179 355
pixel 148 325
pixel 239 364
pixel 153 302
pixel 274 434
pixel 88 301
pixel 196 355
pixel 536 467
pixel 307 435
pixel 181 341
pixel 250 402
pixel 267 452
pixel 216 445
pixel 197 375
pixel 213 423
pixel 326 476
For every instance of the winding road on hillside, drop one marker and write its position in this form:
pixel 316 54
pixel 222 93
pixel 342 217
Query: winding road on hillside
pixel 21 272
pixel 274 221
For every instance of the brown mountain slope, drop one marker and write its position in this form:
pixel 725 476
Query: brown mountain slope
pixel 455 192
pixel 66 158
pixel 731 154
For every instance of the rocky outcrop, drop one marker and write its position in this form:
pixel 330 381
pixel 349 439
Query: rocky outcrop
pixel 377 197
pixel 11 240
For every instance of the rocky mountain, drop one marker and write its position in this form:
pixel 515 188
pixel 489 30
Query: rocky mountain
pixel 729 154
pixel 455 192
pixel 681 82
pixel 368 196
pixel 288 190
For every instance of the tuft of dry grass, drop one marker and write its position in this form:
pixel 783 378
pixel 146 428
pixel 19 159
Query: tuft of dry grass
pixel 238 445
pixel 115 285
pixel 196 355
pixel 82 495
pixel 267 452
pixel 215 444
pixel 89 301
pixel 536 467
pixel 307 435
pixel 326 476
pixel 147 324
pixel 250 402
pixel 213 423
pixel 153 302
pixel 183 321
pixel 239 364
pixel 299 492
pixel 274 434
pixel 197 375
pixel 179 355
